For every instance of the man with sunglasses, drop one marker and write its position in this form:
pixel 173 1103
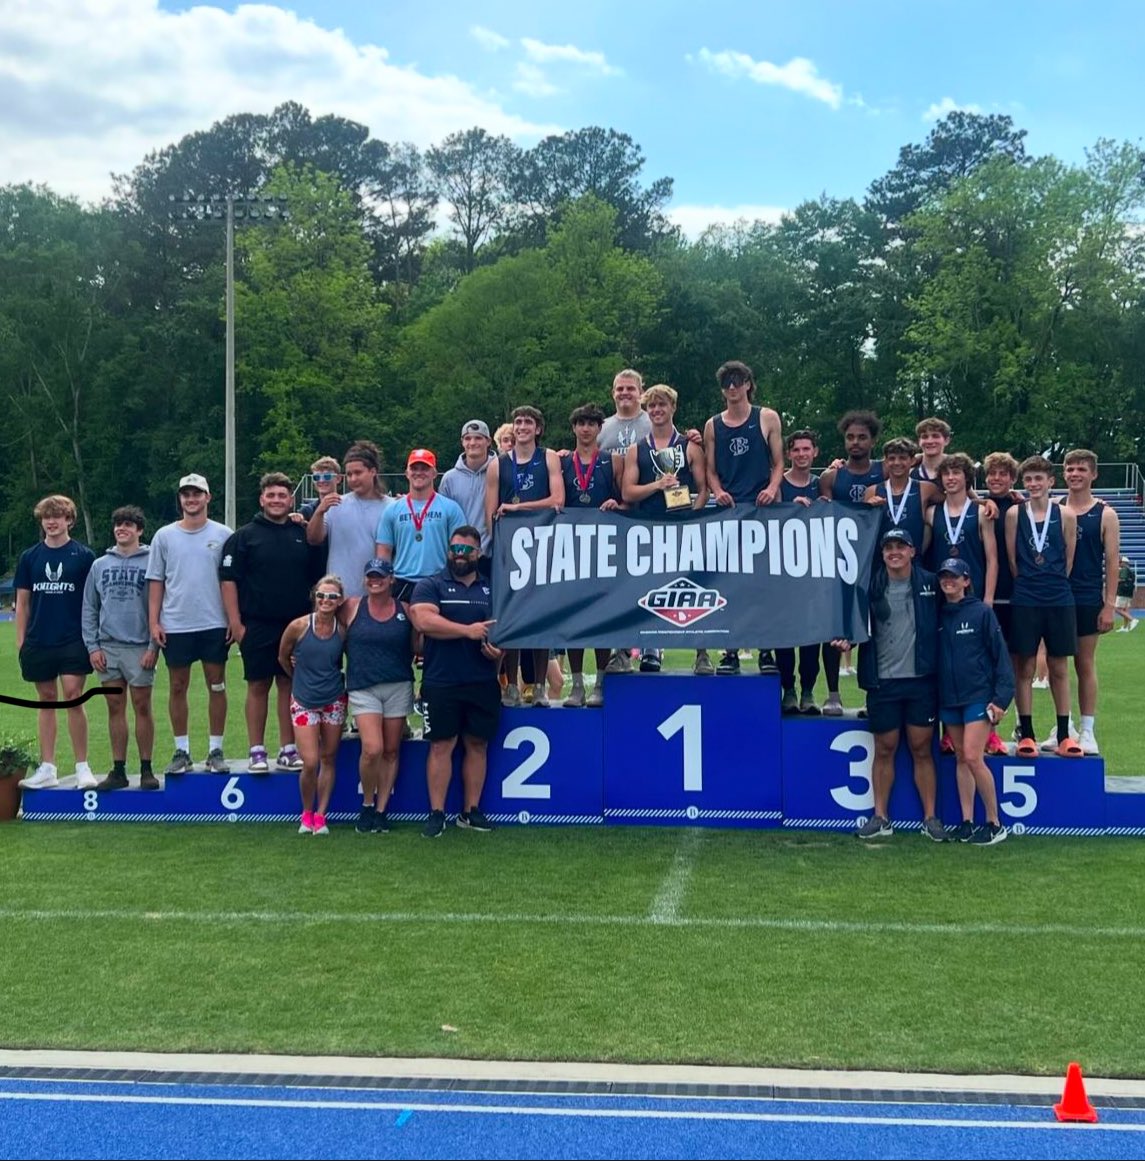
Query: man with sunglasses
pixel 187 618
pixel 454 611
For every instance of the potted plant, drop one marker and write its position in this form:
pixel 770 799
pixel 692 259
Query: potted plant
pixel 17 756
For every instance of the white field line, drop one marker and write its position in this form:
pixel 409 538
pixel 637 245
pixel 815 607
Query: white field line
pixel 670 898
pixel 751 923
pixel 545 1111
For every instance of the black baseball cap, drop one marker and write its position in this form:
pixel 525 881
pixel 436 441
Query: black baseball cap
pixel 897 535
pixel 954 565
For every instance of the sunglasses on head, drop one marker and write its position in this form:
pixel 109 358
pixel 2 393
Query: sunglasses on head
pixel 463 549
pixel 323 477
pixel 327 596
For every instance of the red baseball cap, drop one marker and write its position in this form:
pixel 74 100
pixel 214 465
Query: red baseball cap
pixel 421 455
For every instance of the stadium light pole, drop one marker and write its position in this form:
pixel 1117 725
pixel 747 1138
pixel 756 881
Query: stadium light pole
pixel 228 208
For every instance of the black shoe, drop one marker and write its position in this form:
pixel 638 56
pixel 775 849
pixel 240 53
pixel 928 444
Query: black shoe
pixel 113 782
pixel 650 661
pixel 960 833
pixel 729 662
pixel 789 705
pixel 365 823
pixel 473 820
pixel 434 825
pixel 381 822
pixel 767 662
pixel 148 781
pixel 807 705
pixel 988 834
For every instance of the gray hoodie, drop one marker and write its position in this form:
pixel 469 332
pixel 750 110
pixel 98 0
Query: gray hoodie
pixel 466 487
pixel 115 600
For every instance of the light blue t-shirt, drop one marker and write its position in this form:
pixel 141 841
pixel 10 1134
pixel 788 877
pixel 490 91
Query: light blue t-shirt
pixel 414 558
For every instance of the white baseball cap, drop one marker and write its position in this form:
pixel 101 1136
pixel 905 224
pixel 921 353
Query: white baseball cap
pixel 195 481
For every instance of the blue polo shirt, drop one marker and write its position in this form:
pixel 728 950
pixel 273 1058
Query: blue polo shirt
pixel 456 660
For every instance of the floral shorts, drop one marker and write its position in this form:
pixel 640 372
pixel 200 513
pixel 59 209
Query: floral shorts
pixel 333 714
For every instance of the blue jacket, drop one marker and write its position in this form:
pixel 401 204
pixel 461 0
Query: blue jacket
pixel 927 598
pixel 974 664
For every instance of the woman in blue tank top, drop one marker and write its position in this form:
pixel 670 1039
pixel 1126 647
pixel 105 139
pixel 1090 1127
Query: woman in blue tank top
pixel 380 646
pixel 311 651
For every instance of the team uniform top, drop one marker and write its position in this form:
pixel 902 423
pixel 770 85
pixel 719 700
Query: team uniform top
pixel 456 660
pixel 420 551
pixel 910 517
pixel 187 561
pixel 55 577
pixel 965 543
pixel 273 567
pixel 655 505
pixel 378 651
pixel 1004 586
pixel 601 482
pixel 1044 582
pixel 849 487
pixel 789 492
pixel 743 457
pixel 618 434
pixel 919 472
pixel 522 483
pixel 1087 578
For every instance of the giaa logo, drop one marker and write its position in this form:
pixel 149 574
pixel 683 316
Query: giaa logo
pixel 682 601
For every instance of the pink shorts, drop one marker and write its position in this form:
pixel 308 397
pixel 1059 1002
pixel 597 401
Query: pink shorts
pixel 333 714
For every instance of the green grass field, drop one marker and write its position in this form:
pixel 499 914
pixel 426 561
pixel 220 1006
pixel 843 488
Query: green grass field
pixel 625 944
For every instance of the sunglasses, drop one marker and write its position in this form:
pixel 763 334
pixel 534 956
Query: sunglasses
pixel 327 596
pixel 323 477
pixel 462 549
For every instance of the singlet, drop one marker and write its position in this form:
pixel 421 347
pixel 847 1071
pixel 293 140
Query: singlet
pixel 911 517
pixel 1004 588
pixel 849 487
pixel 522 483
pixel 789 492
pixel 378 651
pixel 318 678
pixel 654 505
pixel 968 547
pixel 601 485
pixel 1045 583
pixel 1086 579
pixel 743 458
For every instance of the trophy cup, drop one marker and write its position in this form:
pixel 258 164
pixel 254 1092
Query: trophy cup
pixel 669 461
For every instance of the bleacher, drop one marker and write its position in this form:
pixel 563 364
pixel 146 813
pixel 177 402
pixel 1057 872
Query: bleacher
pixel 1127 504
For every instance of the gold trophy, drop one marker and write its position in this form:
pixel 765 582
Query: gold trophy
pixel 670 461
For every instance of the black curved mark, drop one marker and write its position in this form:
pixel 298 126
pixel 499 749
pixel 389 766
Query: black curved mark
pixel 71 703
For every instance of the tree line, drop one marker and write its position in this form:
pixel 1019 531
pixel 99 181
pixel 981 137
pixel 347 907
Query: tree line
pixel 409 290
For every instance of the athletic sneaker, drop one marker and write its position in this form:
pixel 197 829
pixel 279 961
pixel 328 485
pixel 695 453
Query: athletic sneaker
pixel 790 703
pixel 1040 683
pixel 473 820
pixel 702 666
pixel 511 696
pixel 650 661
pixel 619 662
pixel 960 833
pixel 1087 742
pixel 540 699
pixel 381 822
pixel 988 834
pixel 596 698
pixel 767 662
pixel 995 745
pixel 217 764
pixel 113 782
pixel 148 782
pixel 320 826
pixel 833 706
pixel 180 763
pixel 434 825
pixel 576 698
pixel 729 663
pixel 933 829
pixel 85 779
pixel 876 827
pixel 946 744
pixel 1132 624
pixel 44 778
pixel 365 823
pixel 807 705
pixel 289 759
pixel 306 823
pixel 259 761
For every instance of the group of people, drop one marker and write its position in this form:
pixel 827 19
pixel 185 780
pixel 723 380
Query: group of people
pixel 330 605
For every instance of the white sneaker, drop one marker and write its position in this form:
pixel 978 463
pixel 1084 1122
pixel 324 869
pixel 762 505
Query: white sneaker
pixel 1087 742
pixel 1050 745
pixel 1132 625
pixel 1123 629
pixel 44 778
pixel 85 779
pixel 1040 683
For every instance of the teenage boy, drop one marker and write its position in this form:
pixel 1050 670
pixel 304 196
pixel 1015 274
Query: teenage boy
pixel 326 476
pixel 1040 541
pixel 628 424
pixel 527 479
pixel 266 575
pixel 464 483
pixel 744 462
pixel 1093 580
pixel 49 583
pixel 1001 476
pixel 119 643
pixel 933 436
pixel 904 499
pixel 187 619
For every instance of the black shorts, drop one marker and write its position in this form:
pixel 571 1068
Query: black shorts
pixel 1003 613
pixel 183 649
pixel 259 650
pixel 1086 619
pixel 902 701
pixel 402 589
pixel 1056 625
pixel 37 664
pixel 473 710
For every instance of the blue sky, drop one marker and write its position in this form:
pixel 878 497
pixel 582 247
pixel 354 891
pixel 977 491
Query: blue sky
pixel 750 107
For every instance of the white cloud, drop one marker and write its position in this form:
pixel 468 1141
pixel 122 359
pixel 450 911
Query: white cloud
pixel 939 109
pixel 488 39
pixel 693 220
pixel 87 87
pixel 532 81
pixel 542 53
pixel 799 74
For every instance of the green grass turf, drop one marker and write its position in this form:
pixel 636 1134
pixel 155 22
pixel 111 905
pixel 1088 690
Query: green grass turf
pixel 878 993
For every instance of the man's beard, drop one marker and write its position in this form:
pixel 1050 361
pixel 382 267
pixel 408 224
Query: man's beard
pixel 462 567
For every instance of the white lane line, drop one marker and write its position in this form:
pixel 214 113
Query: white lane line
pixel 768 923
pixel 545 1111
pixel 669 899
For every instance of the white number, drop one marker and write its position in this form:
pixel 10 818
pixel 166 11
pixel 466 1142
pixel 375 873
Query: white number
pixel 858 768
pixel 689 719
pixel 1012 784
pixel 232 797
pixel 516 784
pixel 90 800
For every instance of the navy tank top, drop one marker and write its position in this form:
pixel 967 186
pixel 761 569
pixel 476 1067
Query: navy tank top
pixel 849 486
pixel 1004 588
pixel 601 484
pixel 378 651
pixel 743 458
pixel 522 483
pixel 1042 583
pixel 919 472
pixel 968 543
pixel 1087 578
pixel 318 678
pixel 910 517
pixel 654 505
pixel 789 492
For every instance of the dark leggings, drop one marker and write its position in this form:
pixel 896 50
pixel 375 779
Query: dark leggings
pixel 832 661
pixel 808 667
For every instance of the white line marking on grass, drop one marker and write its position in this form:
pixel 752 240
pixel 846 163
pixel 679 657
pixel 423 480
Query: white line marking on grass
pixel 544 1111
pixel 670 897
pixel 751 923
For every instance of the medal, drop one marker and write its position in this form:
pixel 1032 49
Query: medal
pixel 584 498
pixel 1039 542
pixel 584 478
pixel 952 550
pixel 520 476
pixel 954 532
pixel 896 513
pixel 1039 559
pixel 515 499
pixel 418 536
pixel 419 520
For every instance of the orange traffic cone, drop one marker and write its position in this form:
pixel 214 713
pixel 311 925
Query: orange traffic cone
pixel 1075 1104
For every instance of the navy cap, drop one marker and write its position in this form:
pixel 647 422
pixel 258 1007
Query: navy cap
pixel 379 567
pixel 955 566
pixel 900 535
